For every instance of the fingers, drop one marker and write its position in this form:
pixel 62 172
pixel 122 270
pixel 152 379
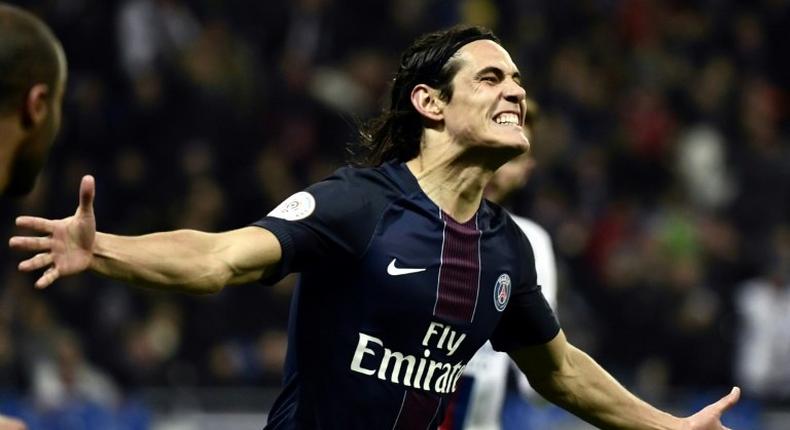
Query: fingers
pixel 50 276
pixel 37 262
pixel 87 193
pixel 729 400
pixel 27 243
pixel 42 225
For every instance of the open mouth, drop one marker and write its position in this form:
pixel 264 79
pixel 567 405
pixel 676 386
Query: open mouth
pixel 507 119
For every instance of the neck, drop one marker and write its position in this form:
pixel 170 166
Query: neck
pixel 495 194
pixel 453 176
pixel 10 137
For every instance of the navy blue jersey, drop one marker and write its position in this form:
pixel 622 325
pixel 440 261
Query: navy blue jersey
pixel 395 297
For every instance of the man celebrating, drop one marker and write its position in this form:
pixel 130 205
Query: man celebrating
pixel 32 81
pixel 406 269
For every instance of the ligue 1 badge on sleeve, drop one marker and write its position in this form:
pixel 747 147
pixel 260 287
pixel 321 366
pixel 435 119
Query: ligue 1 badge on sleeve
pixel 502 292
pixel 298 206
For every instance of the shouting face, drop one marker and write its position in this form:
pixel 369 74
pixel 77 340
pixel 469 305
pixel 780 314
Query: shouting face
pixel 488 103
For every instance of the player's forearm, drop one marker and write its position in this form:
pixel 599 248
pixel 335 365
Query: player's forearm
pixel 587 390
pixel 176 261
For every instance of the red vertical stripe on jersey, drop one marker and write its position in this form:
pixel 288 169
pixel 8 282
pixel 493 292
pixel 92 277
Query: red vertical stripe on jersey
pixel 417 411
pixel 459 275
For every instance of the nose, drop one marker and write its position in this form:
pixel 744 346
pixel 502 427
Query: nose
pixel 514 92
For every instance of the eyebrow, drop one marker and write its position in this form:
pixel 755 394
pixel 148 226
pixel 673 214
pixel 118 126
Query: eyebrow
pixel 500 74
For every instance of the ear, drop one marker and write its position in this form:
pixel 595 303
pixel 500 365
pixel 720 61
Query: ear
pixel 36 105
pixel 427 102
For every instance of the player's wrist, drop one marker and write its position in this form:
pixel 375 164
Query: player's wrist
pixel 99 252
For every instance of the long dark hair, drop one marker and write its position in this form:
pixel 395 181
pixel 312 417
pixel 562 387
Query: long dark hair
pixel 395 134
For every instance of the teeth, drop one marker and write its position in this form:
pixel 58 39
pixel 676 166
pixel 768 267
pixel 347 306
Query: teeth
pixel 506 118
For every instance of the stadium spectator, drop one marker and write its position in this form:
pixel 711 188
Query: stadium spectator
pixel 65 378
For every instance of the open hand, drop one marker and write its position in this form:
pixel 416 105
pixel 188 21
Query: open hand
pixel 709 418
pixel 68 247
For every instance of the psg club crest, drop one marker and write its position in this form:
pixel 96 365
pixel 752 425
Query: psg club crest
pixel 502 292
pixel 298 206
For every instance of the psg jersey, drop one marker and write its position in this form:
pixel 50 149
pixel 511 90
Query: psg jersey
pixel 395 297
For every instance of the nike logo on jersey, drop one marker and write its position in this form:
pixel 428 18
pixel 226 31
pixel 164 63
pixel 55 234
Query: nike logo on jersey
pixel 397 271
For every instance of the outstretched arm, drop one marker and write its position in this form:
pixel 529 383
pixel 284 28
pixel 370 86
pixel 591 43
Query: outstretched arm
pixel 182 260
pixel 568 377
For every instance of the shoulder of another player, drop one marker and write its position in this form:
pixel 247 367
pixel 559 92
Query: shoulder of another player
pixel 534 231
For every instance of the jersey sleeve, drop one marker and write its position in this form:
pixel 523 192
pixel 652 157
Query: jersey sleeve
pixel 528 318
pixel 320 226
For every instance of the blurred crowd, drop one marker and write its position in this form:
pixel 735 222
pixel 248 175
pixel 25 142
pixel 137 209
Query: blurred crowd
pixel 663 176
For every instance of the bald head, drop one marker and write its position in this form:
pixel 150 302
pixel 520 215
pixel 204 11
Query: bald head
pixel 32 80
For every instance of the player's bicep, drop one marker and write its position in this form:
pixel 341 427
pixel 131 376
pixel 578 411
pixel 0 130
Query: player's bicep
pixel 539 362
pixel 248 253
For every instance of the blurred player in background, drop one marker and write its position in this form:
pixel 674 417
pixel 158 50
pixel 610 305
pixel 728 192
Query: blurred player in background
pixel 406 270
pixel 478 403
pixel 32 82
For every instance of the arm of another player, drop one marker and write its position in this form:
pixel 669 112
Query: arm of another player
pixel 183 260
pixel 571 379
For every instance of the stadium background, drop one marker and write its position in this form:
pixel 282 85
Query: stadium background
pixel 663 175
